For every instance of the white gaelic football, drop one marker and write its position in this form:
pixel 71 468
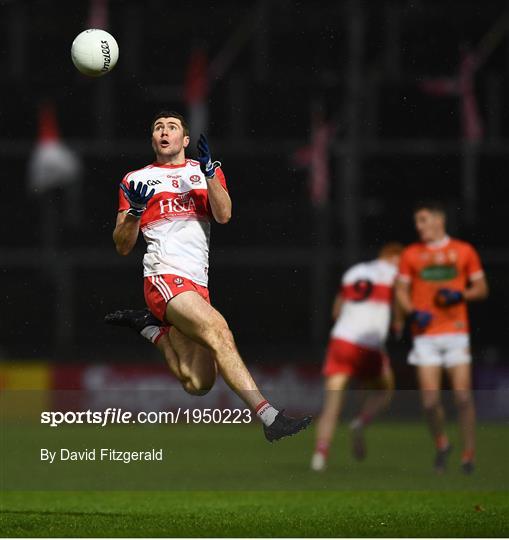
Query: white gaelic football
pixel 94 52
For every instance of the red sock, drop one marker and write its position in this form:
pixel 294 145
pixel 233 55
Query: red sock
pixel 365 418
pixel 442 442
pixel 467 456
pixel 156 336
pixel 322 447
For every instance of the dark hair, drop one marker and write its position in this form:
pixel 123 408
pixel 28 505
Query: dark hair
pixel 170 114
pixel 432 206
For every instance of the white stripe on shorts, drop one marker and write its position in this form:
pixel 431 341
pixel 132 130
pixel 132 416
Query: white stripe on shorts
pixel 161 287
pixel 161 292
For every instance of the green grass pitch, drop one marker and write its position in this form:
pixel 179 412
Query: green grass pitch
pixel 217 484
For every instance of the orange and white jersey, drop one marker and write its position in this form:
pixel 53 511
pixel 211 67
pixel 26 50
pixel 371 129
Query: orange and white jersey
pixel 176 223
pixel 367 292
pixel 451 264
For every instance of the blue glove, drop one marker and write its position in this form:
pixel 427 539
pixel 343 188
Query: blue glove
pixel 421 318
pixel 207 166
pixel 137 198
pixel 448 297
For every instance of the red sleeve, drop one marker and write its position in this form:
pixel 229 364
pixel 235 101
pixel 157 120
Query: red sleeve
pixel 474 267
pixel 222 180
pixel 405 267
pixel 123 204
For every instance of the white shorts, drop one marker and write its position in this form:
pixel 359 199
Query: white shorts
pixel 445 350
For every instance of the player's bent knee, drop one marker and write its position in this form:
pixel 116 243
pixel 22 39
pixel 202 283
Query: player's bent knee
pixel 197 388
pixel 200 382
pixel 191 389
pixel 430 401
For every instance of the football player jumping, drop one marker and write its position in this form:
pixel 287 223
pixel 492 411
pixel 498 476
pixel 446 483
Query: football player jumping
pixel 173 201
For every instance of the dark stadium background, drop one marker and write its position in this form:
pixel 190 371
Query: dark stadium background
pixel 275 267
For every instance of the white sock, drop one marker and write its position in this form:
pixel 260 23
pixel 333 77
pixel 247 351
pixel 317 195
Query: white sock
pixel 266 412
pixel 151 333
pixel 356 423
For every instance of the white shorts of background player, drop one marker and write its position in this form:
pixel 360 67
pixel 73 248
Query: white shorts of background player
pixel 445 350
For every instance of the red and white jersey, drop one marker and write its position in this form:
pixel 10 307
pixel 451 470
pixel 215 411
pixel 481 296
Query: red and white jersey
pixel 176 223
pixel 365 316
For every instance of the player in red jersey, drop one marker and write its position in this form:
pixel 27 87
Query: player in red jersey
pixel 172 201
pixel 438 276
pixel 362 313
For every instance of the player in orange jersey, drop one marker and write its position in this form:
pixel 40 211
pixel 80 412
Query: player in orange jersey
pixel 438 276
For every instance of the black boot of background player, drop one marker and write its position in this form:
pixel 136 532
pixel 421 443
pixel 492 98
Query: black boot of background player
pixel 441 458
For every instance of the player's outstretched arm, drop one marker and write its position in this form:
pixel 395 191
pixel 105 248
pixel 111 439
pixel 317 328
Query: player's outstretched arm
pixel 219 200
pixel 128 223
pixel 126 233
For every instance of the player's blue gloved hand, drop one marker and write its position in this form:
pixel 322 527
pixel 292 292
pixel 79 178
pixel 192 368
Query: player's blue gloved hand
pixel 448 297
pixel 421 318
pixel 137 197
pixel 207 166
